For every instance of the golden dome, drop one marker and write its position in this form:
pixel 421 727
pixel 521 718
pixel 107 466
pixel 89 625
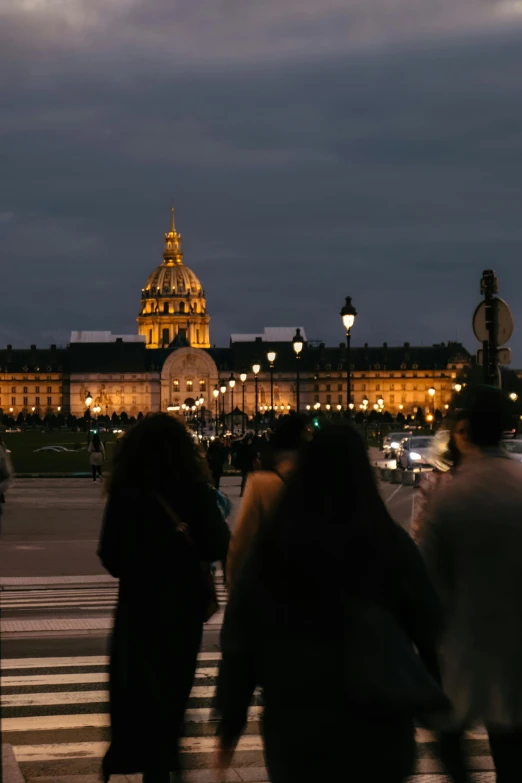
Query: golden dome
pixel 172 280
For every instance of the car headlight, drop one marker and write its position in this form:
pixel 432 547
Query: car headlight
pixel 394 445
pixel 415 456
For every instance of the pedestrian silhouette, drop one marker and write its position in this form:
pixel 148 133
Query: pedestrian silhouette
pixel 472 541
pixel 323 617
pixel 161 530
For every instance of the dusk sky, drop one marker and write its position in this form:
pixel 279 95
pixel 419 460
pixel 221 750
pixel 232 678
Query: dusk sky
pixel 313 149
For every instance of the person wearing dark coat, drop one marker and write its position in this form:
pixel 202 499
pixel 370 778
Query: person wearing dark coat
pixel 216 458
pixel 246 460
pixel 161 530
pixel 286 628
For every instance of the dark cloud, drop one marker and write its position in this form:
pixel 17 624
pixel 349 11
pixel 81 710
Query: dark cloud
pixel 388 173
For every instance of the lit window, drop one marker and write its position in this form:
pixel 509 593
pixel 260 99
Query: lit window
pixel 175 385
pixel 202 385
pixel 189 385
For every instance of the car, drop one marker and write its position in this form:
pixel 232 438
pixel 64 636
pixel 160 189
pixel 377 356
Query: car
pixel 391 443
pixel 56 449
pixel 514 448
pixel 414 452
pixel 13 429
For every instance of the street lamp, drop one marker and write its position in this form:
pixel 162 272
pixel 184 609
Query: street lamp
pixel 348 314
pixel 216 395
pixel 223 390
pixel 297 344
pixel 432 392
pixel 458 387
pixel 255 369
pixel 271 356
pixel 513 396
pixel 243 378
pixel 380 402
pixel 232 383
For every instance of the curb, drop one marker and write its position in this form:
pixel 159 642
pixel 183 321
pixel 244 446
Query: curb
pixel 20 581
pixel 10 769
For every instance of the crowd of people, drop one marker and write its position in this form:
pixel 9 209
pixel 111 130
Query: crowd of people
pixel 355 630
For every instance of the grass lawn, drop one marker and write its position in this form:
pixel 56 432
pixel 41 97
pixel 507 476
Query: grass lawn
pixel 22 446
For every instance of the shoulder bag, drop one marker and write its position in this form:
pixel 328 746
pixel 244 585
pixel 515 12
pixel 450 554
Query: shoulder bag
pixel 212 604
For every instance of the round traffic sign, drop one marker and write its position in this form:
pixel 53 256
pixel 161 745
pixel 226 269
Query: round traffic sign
pixel 505 322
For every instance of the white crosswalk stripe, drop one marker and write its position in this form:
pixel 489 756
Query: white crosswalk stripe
pixel 54 711
pixel 39 600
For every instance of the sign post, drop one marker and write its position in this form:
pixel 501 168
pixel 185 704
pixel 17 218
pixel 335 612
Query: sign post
pixel 493 327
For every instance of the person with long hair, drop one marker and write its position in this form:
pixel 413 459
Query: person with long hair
pixel 293 626
pixel 96 451
pixel 161 530
pixel 264 488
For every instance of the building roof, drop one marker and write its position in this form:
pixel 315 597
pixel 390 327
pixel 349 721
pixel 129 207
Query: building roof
pixel 271 334
pixel 33 359
pixel 240 356
pixel 105 337
pixel 117 357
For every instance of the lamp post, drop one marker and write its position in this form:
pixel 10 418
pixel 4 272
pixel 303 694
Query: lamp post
pixel 431 392
pixel 297 344
pixel 348 314
pixel 255 369
pixel 271 356
pixel 223 390
pixel 243 378
pixel 232 383
pixel 216 396
pixel 88 402
pixel 513 396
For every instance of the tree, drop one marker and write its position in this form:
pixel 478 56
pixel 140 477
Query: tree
pixel 419 417
pixel 124 418
pixel 132 421
pixel 401 418
pixel 140 416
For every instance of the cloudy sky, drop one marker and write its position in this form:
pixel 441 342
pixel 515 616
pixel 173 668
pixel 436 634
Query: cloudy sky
pixel 312 148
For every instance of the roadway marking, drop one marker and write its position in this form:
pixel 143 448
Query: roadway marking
pixel 69 679
pixel 81 660
pixel 389 500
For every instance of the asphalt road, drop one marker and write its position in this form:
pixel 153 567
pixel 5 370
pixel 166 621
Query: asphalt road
pixel 50 527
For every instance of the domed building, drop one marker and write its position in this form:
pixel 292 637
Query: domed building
pixel 173 305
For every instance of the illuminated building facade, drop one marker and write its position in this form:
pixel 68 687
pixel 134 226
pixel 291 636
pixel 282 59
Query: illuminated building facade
pixel 170 363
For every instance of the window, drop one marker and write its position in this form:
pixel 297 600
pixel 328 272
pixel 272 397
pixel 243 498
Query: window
pixel 328 398
pixel 25 389
pixel 392 397
pixel 403 398
pixel 364 387
pixel 37 403
pixel 316 387
pixel 316 398
pixel 392 386
pixel 202 385
pixel 377 387
pixel 403 386
pixel 150 335
pixel 13 389
pixel 165 338
pixel 415 387
pixel 175 385
pixel 26 402
pixel 328 387
pixel 189 385
pixel 134 390
pixel 340 399
pixel 134 400
pixel 182 334
pixel 49 390
pixel 49 401
pixel 166 308
pixel 13 401
pixel 182 307
pixel 37 390
pixel 339 387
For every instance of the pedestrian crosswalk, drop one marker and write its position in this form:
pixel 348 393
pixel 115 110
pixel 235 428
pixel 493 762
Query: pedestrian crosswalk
pixel 45 600
pixel 54 713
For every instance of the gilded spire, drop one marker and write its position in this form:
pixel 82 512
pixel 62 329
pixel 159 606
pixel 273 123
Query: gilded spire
pixel 172 254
